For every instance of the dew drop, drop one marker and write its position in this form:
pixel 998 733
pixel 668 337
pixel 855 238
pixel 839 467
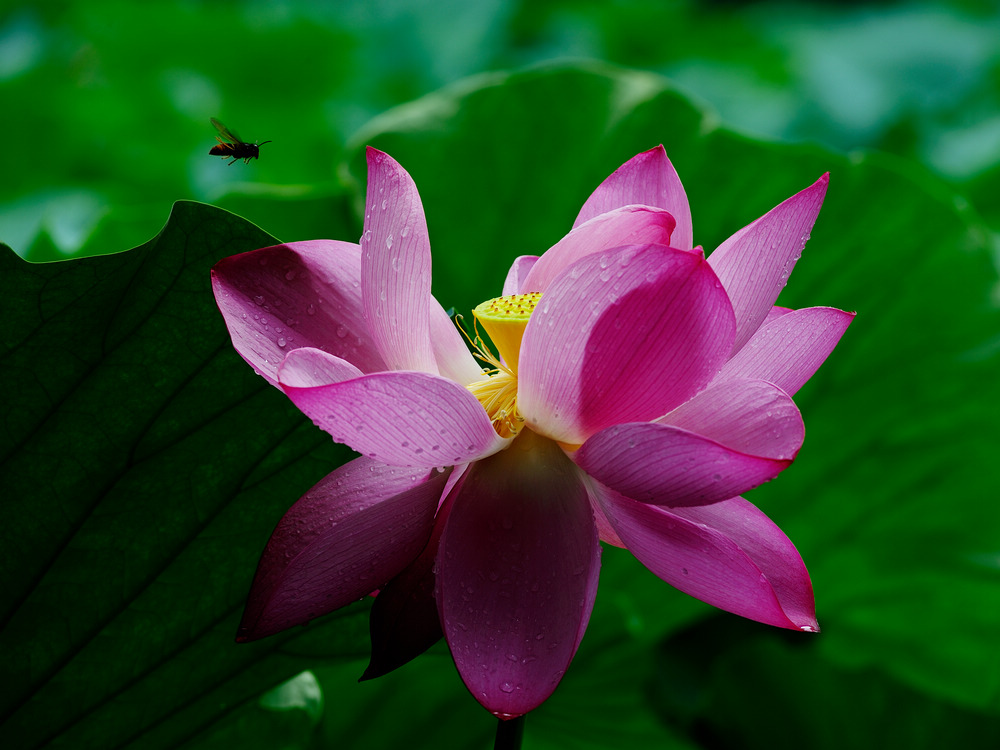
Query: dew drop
pixel 404 231
pixel 290 275
pixel 507 687
pixel 259 299
pixel 311 310
pixel 281 341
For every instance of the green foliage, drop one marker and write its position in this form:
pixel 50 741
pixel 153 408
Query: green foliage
pixel 144 464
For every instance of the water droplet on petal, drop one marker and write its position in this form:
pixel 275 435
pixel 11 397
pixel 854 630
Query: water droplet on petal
pixel 507 687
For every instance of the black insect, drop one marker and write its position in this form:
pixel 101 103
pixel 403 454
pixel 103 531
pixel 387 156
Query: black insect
pixel 233 146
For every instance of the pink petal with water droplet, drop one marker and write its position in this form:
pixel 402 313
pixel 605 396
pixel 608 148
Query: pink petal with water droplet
pixel 280 298
pixel 349 535
pixel 517 574
pixel 401 418
pixel 624 336
pixel 729 555
pixel 788 349
pixel 752 416
pixel 647 179
pixel 755 263
pixel 630 225
pixel 396 267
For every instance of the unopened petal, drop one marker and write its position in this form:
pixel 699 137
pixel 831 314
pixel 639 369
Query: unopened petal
pixel 288 296
pixel 623 336
pixel 629 225
pixel 396 267
pixel 401 418
pixel 350 534
pixel 647 179
pixel 755 263
pixel 789 348
pixel 729 555
pixel 517 574
pixel 518 272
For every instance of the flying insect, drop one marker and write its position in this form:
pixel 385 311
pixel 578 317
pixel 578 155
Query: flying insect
pixel 233 146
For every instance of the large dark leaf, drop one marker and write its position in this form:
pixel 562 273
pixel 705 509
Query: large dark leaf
pixel 143 466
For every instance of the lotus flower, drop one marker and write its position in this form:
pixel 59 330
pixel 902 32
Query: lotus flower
pixel 637 390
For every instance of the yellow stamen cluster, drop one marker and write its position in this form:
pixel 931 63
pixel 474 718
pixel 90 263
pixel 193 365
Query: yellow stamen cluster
pixel 504 319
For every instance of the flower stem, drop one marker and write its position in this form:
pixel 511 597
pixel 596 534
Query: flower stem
pixel 509 733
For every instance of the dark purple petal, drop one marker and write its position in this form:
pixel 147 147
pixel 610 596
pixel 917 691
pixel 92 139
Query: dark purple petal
pixel 349 535
pixel 517 574
pixel 404 619
pixel 289 296
pixel 729 555
pixel 647 179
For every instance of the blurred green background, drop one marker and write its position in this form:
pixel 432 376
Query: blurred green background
pixel 107 103
pixel 125 575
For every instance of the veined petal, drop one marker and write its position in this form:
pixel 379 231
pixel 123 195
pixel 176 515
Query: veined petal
pixel 518 272
pixel 454 360
pixel 308 367
pixel 517 574
pixel 729 555
pixel 755 263
pixel 624 336
pixel 401 418
pixel 751 416
pixel 301 294
pixel 404 619
pixel 629 225
pixel 350 534
pixel 788 349
pixel 647 179
pixel 396 267
pixel 665 465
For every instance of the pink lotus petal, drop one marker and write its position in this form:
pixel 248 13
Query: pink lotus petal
pixel 630 225
pixel 517 574
pixel 787 350
pixel 518 272
pixel 755 263
pixel 454 360
pixel 302 294
pixel 665 465
pixel 401 418
pixel 350 534
pixel 624 336
pixel 308 367
pixel 751 416
pixel 396 267
pixel 648 179
pixel 729 555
